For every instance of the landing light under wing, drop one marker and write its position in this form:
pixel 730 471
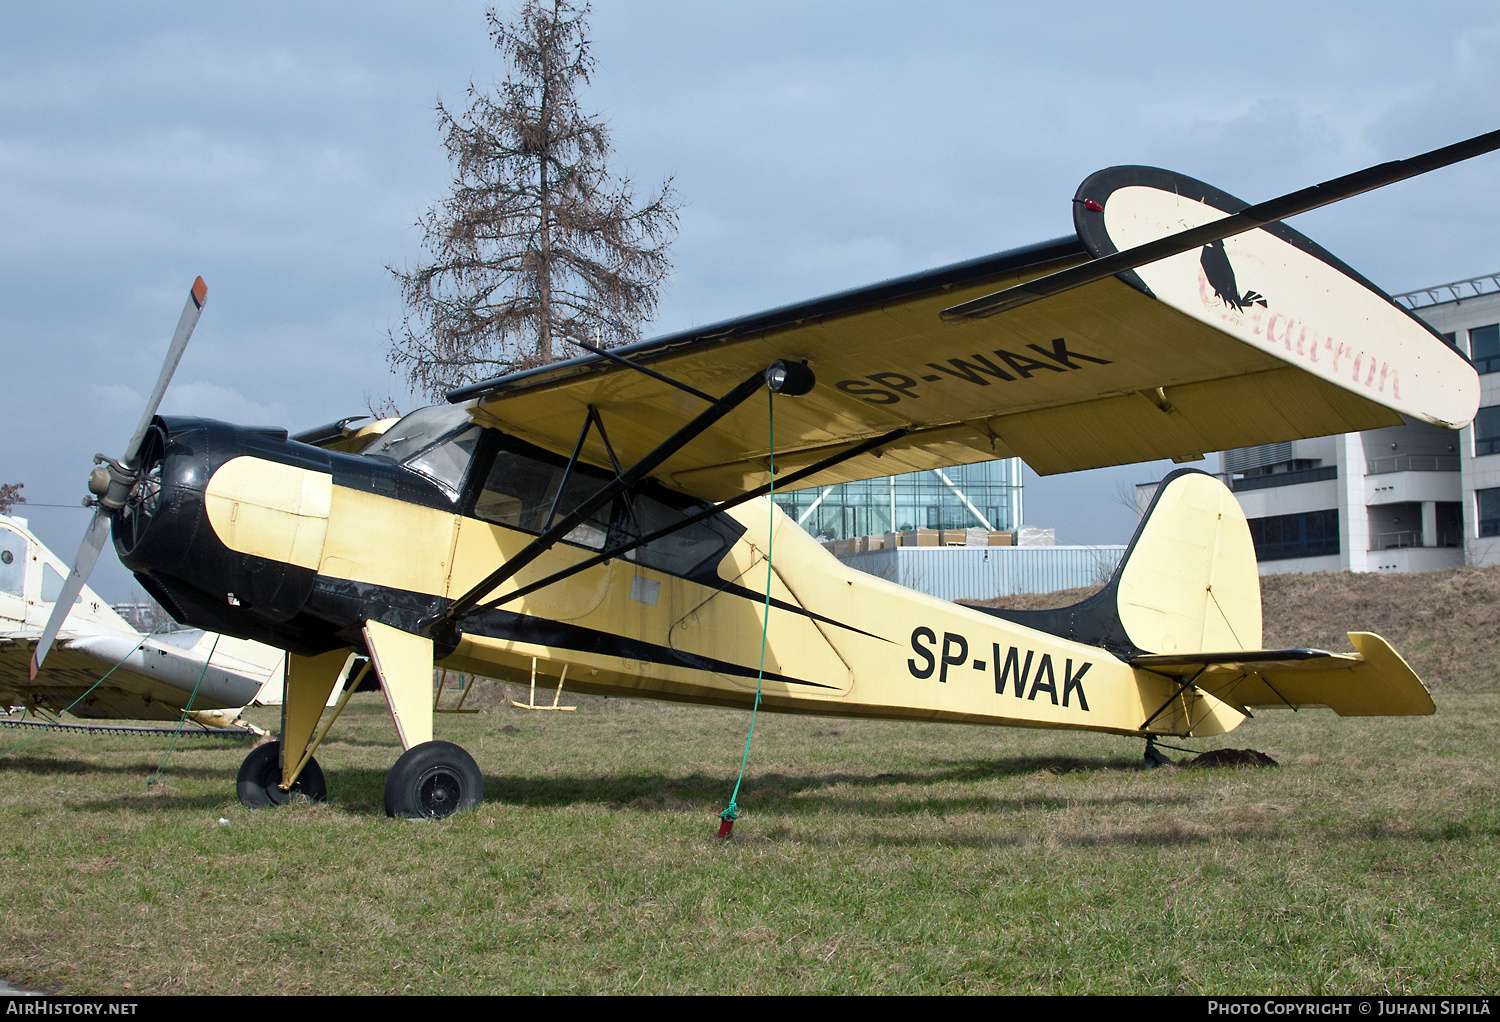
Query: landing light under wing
pixel 1173 361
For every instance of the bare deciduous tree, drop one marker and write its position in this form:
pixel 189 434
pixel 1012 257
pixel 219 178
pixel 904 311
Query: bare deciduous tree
pixel 10 496
pixel 536 242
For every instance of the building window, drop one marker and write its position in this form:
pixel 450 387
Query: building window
pixel 911 501
pixel 1484 348
pixel 1487 511
pixel 1311 534
pixel 1487 431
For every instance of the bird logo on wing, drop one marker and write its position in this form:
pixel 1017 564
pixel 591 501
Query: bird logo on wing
pixel 1220 275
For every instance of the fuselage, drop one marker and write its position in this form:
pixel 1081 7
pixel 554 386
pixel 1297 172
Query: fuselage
pixel 259 536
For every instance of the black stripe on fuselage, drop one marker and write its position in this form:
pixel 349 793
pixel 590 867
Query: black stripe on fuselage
pixel 505 624
pixel 735 589
pixel 404 609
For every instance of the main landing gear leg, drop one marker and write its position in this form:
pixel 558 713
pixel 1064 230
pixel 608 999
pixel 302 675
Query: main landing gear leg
pixel 282 770
pixel 276 773
pixel 431 779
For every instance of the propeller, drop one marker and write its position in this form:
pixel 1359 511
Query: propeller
pixel 118 483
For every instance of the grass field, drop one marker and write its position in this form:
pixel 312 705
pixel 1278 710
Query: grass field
pixel 870 857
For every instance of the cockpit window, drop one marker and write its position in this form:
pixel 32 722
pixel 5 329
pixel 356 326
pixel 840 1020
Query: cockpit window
pixel 678 553
pixel 445 463
pixel 417 431
pixel 522 487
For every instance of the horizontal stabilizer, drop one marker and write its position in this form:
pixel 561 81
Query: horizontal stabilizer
pixel 1374 682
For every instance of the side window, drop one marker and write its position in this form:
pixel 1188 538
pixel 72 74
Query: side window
pixel 678 553
pixel 520 489
pixel 12 562
pixel 52 584
pixel 521 486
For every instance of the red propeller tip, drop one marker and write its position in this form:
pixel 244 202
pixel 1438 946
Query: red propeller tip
pixel 200 292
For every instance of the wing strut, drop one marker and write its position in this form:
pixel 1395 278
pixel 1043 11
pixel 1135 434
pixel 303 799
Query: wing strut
pixel 642 369
pixel 1248 219
pixel 622 482
pixel 590 421
pixel 717 509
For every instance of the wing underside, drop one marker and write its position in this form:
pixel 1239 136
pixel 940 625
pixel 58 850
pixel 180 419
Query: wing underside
pixel 1113 372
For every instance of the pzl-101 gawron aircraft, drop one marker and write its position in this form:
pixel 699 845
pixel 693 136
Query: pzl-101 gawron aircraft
pixel 597 514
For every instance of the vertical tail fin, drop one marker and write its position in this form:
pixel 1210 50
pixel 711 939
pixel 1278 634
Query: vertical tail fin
pixel 1188 582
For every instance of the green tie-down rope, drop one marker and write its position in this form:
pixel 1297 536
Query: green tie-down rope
pixel 127 656
pixel 182 721
pixel 731 811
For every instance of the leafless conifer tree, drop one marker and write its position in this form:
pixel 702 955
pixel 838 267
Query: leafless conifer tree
pixel 536 242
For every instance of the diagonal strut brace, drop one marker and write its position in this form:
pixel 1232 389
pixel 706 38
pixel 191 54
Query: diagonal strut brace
pixel 607 493
pixel 718 509
pixel 1172 698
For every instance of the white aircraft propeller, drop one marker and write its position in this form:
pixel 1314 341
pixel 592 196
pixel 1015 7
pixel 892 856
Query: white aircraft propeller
pixel 112 481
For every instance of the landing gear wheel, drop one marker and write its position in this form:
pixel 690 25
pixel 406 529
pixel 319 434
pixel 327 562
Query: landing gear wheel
pixel 433 780
pixel 259 780
pixel 1155 757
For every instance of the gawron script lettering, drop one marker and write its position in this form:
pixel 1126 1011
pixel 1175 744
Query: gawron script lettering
pixel 1309 344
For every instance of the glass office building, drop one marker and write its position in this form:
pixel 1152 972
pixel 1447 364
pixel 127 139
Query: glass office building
pixel 981 496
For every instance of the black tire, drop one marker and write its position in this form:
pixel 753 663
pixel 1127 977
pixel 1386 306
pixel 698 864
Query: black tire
pixel 431 781
pixel 259 780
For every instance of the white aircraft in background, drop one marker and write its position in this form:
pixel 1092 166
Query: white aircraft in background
pixel 153 677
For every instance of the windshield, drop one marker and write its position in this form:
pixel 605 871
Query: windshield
pixel 416 431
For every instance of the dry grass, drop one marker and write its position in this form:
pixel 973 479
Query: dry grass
pixel 871 857
pixel 1446 623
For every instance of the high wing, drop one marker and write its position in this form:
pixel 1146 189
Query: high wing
pixel 148 678
pixel 1375 682
pixel 1259 338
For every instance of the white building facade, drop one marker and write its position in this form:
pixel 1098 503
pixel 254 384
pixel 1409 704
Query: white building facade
pixel 1405 498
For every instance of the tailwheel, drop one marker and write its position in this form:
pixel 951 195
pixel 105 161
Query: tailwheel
pixel 259 780
pixel 1155 757
pixel 433 780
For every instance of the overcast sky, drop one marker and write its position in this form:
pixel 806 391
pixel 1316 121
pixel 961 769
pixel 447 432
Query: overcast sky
pixel 284 151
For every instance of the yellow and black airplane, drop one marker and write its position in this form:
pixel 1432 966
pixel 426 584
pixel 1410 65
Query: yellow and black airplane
pixel 609 515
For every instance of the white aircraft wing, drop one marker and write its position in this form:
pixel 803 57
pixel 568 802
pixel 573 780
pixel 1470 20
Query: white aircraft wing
pixel 101 660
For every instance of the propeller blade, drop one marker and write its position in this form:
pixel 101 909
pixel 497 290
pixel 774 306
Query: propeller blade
pixel 197 295
pixel 83 564
pixel 93 540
